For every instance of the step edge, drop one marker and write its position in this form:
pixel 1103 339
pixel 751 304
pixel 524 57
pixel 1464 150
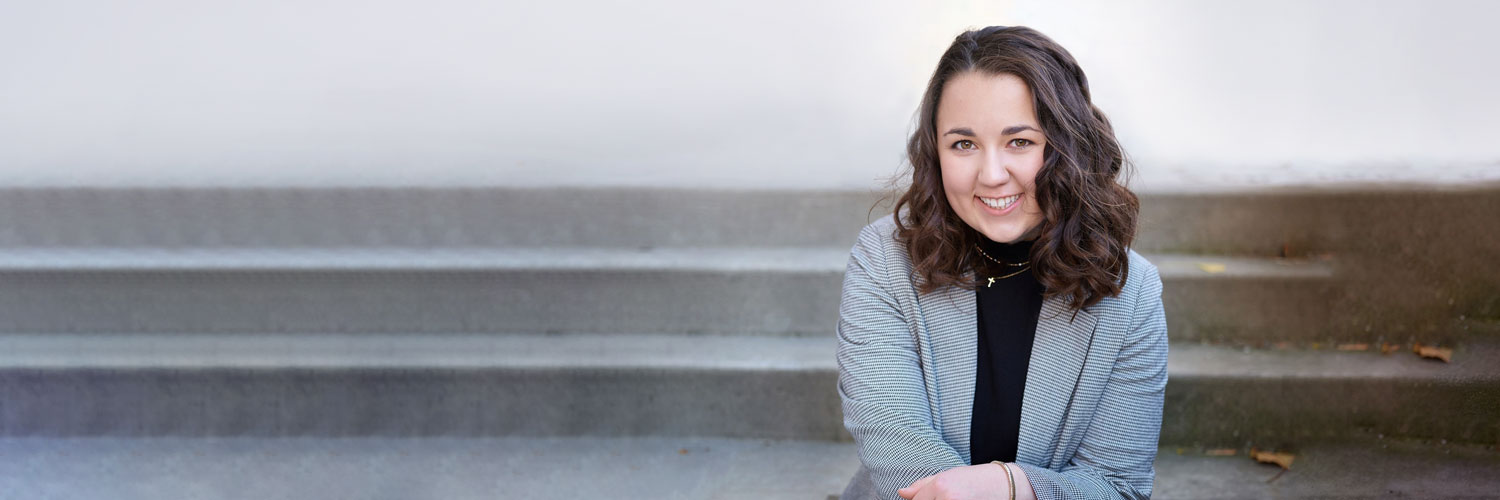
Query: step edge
pixel 555 259
pixel 630 351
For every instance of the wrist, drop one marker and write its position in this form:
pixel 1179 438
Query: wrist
pixel 1023 483
pixel 1010 478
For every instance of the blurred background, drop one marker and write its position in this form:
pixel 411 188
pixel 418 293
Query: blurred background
pixel 705 94
pixel 455 248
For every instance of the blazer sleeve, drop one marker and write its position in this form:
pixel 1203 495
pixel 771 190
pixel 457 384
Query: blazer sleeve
pixel 1116 456
pixel 880 381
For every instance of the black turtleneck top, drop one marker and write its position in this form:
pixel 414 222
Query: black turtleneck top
pixel 1008 309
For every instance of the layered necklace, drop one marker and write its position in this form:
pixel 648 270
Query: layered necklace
pixel 1023 265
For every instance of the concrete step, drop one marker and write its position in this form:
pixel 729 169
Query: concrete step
pixel 1415 262
pixel 669 385
pixel 1366 469
pixel 756 291
pixel 656 467
pixel 1259 222
pixel 411 385
pixel 1238 396
pixel 429 217
pixel 423 468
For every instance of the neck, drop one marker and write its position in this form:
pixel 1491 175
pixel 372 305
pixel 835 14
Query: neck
pixel 1015 251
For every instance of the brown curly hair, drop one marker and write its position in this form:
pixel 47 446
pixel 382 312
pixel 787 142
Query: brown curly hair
pixel 1089 218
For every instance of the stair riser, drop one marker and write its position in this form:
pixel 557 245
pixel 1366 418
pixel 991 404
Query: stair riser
pixel 416 302
pixel 1281 413
pixel 427 218
pixel 487 402
pixel 1199 411
pixel 1267 223
pixel 759 303
pixel 1248 311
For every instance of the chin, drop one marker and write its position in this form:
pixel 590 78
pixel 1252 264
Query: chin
pixel 1007 237
pixel 1008 234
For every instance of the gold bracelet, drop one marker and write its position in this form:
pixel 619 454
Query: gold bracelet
pixel 1008 477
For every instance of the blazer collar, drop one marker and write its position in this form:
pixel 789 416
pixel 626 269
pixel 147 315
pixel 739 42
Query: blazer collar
pixel 1057 360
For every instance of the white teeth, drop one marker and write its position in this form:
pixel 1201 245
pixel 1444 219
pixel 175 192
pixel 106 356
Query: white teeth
pixel 1000 203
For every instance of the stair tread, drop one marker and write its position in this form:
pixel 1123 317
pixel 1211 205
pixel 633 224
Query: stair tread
pixel 747 259
pixel 654 467
pixel 1474 361
pixel 397 351
pixel 433 259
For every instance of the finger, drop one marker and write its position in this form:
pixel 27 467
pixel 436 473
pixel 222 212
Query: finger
pixel 910 492
pixel 926 492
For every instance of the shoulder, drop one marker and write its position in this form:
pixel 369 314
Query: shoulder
pixel 1142 276
pixel 1142 286
pixel 1138 303
pixel 878 248
pixel 880 257
pixel 879 234
pixel 877 240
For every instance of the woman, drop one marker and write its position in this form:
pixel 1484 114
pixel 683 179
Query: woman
pixel 997 336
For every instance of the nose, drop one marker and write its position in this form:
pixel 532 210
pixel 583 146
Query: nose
pixel 995 170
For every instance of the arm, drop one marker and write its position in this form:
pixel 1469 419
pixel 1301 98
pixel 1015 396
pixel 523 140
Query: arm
pixel 880 379
pixel 1115 459
pixel 1023 483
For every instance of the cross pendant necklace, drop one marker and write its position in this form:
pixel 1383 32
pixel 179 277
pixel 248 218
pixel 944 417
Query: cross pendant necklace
pixel 993 279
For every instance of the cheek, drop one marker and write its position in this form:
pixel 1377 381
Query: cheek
pixel 954 183
pixel 1028 174
pixel 1028 179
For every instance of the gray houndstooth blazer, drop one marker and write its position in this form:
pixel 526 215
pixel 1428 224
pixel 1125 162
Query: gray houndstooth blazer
pixel 1091 412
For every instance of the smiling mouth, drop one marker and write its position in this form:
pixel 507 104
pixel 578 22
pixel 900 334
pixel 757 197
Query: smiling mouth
pixel 1000 203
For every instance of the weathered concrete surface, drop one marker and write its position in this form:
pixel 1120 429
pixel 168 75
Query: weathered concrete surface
pixel 1376 468
pixel 744 291
pixel 662 385
pixel 672 468
pixel 1260 222
pixel 1410 263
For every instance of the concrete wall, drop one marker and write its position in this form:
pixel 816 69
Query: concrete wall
pixel 676 93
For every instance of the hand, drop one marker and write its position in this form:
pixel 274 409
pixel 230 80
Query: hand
pixel 974 482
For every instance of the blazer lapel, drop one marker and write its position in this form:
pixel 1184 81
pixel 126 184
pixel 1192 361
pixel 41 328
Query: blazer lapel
pixel 1057 358
pixel 951 341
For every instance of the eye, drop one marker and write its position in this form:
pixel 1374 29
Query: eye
pixel 964 145
pixel 1020 143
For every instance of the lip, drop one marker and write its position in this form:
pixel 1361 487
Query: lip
pixel 991 211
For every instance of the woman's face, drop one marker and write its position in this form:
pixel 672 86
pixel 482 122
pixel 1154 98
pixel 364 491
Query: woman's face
pixel 990 146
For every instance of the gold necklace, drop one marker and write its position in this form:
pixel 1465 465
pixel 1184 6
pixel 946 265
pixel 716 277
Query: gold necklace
pixel 997 261
pixel 993 280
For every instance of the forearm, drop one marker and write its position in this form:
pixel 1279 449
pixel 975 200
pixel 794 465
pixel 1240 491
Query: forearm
pixel 1081 482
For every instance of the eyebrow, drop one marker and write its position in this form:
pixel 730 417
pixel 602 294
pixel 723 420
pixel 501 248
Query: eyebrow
pixel 1013 129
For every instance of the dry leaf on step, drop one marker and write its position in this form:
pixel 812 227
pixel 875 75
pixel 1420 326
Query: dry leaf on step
pixel 1442 353
pixel 1211 267
pixel 1354 347
pixel 1266 457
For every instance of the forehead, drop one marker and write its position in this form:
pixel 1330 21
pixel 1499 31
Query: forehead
pixel 985 103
